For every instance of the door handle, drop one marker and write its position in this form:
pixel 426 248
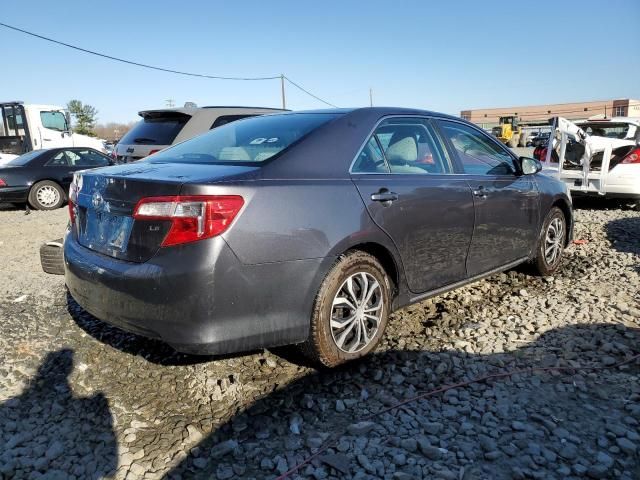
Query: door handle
pixel 46 139
pixel 384 196
pixel 480 192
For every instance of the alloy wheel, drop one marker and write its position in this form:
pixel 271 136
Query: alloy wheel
pixel 356 312
pixel 554 241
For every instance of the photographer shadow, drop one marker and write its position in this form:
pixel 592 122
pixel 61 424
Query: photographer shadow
pixel 40 427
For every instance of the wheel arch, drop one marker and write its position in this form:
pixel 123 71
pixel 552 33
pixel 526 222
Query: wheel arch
pixel 386 259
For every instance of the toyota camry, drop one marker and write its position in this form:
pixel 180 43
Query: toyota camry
pixel 305 228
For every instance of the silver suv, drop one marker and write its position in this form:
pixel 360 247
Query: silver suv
pixel 161 128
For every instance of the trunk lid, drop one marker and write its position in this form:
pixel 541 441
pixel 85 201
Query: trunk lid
pixel 107 197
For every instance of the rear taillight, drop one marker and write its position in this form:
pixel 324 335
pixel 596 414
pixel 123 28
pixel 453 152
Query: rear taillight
pixel 632 157
pixel 73 195
pixel 72 211
pixel 192 218
pixel 154 151
pixel 3 183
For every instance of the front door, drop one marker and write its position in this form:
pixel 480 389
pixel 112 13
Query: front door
pixel 404 177
pixel 506 213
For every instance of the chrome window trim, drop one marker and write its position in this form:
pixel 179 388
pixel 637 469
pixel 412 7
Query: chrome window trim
pixel 446 161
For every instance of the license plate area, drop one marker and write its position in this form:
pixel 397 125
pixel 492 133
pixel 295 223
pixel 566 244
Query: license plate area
pixel 106 232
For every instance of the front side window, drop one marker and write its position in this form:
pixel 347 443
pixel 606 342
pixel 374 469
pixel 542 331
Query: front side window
pixel 403 146
pixel 54 121
pixel 252 140
pixel 478 154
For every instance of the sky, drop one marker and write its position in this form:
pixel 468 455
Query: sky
pixel 437 55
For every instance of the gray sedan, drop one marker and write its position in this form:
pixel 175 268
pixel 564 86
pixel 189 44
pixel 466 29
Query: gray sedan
pixel 305 228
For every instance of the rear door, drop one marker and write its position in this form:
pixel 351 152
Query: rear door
pixel 506 202
pixel 403 175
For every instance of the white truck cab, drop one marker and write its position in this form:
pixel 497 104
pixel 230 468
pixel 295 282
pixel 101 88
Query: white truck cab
pixel 24 128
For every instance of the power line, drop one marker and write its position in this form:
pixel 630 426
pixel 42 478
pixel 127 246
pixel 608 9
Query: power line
pixel 163 69
pixel 308 92
pixel 131 62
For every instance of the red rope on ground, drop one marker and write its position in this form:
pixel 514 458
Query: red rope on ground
pixel 333 440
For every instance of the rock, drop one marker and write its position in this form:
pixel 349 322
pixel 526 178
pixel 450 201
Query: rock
pixel 223 448
pixel 361 428
pixel 429 451
pixel 568 451
pixel 518 426
pixel 54 451
pixel 626 445
pixel 337 461
pixel 409 444
pixel 364 462
pixel 432 428
pixel 224 472
pixel 200 462
pixel 494 455
pixel 340 406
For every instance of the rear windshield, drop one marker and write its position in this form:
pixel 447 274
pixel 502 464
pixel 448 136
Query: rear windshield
pixel 26 158
pixel 155 130
pixel 610 130
pixel 251 140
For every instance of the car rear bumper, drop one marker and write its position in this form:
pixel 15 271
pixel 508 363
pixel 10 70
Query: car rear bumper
pixel 198 298
pixel 14 194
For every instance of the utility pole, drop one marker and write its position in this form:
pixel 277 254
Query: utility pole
pixel 169 102
pixel 371 97
pixel 284 101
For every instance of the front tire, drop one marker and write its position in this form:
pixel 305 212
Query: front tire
pixel 46 195
pixel 551 243
pixel 350 311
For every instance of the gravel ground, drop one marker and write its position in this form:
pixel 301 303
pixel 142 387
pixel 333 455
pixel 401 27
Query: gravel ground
pixel 80 399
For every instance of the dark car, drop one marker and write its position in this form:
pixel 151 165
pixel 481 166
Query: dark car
pixel 42 177
pixel 306 227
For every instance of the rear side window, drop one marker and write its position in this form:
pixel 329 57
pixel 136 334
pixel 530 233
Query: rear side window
pixel 253 140
pixel 477 153
pixel 403 146
pixel 156 130
pixel 224 119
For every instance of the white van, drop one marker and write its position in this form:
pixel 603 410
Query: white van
pixel 161 128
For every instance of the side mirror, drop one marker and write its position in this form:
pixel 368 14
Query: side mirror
pixel 68 118
pixel 530 165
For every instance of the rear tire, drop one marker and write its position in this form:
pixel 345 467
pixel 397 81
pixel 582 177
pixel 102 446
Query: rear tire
pixel 551 243
pixel 350 311
pixel 46 195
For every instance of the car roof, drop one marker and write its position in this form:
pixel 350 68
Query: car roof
pixel 193 110
pixel 382 111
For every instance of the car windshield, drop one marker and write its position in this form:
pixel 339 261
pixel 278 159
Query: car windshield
pixel 252 140
pixel 609 130
pixel 26 158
